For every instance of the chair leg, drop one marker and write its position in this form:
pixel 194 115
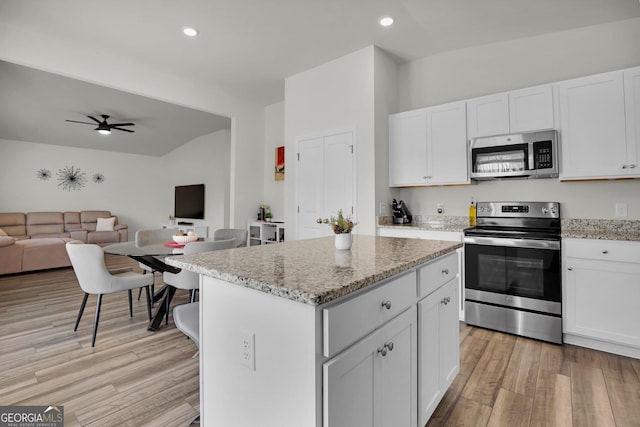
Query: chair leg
pixel 130 303
pixel 84 302
pixel 146 288
pixel 193 294
pixel 166 317
pixel 96 320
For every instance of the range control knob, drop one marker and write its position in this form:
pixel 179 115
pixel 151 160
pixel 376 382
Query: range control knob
pixel 545 210
pixel 553 210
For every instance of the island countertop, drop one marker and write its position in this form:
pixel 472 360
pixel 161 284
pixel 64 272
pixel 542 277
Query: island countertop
pixel 312 271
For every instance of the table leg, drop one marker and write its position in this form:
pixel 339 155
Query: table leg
pixel 155 323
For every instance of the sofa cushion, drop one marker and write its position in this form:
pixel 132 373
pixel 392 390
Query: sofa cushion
pixel 44 253
pixel 13 223
pixel 105 224
pixel 88 219
pixel 72 221
pixel 44 224
pixel 103 237
pixel 6 241
pixel 2 232
pixel 11 259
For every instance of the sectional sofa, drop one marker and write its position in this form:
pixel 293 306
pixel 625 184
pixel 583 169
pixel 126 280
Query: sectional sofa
pixel 36 240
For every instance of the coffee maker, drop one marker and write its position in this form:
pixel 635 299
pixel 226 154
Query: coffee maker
pixel 401 214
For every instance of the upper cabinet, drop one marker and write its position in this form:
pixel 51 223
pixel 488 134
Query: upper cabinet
pixel 522 110
pixel 428 146
pixel 599 119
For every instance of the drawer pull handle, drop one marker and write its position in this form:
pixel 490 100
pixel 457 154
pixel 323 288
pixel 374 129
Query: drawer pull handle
pixel 383 351
pixel 445 271
pixel 386 304
pixel 389 346
pixel 570 268
pixel 605 252
pixel 445 300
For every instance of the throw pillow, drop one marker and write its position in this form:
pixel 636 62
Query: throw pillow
pixel 6 241
pixel 106 224
pixel 2 232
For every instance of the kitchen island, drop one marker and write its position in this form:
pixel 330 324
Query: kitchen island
pixel 299 334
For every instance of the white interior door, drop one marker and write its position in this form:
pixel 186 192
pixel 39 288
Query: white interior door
pixel 326 178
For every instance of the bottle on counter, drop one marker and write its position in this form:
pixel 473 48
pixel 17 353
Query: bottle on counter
pixel 472 214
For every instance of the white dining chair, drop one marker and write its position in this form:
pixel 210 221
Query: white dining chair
pixel 87 261
pixel 240 234
pixel 187 320
pixel 187 279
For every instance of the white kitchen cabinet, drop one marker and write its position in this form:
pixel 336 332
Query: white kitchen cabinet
pixel 593 127
pixel 373 383
pixel 523 110
pixel 601 295
pixel 428 146
pixel 447 152
pixel 632 114
pixel 408 148
pixel 440 363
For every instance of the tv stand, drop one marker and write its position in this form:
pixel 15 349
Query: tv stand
pixel 184 223
pixel 202 230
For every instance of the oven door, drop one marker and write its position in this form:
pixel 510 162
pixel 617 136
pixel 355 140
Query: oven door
pixel 513 267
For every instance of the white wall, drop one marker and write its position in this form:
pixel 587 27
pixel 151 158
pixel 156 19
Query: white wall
pixel 274 137
pixel 204 160
pixel 75 59
pixel 516 64
pixel 335 95
pixel 138 189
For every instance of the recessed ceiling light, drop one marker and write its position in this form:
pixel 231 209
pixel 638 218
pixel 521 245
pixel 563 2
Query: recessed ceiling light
pixel 386 21
pixel 190 31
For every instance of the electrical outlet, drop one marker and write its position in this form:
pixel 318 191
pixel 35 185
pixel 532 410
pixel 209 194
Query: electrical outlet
pixel 440 208
pixel 383 208
pixel 621 209
pixel 248 349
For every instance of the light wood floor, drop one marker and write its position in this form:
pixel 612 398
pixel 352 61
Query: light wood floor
pixel 134 377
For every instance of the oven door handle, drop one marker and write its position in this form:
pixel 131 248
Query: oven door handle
pixel 513 243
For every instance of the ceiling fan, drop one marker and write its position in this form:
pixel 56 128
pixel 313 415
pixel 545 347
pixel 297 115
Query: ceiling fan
pixel 103 127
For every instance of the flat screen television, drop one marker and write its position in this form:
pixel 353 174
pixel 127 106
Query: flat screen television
pixel 189 201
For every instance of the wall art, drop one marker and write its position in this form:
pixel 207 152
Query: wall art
pixel 70 178
pixel 44 174
pixel 98 178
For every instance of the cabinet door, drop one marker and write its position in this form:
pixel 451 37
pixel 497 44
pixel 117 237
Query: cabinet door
pixel 531 109
pixel 488 115
pixel 601 300
pixel 408 148
pixel 373 383
pixel 592 127
pixel 632 110
pixel 447 144
pixel 438 349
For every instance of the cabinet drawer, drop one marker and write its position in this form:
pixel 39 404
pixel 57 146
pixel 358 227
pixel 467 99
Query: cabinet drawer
pixel 350 320
pixel 602 250
pixel 436 274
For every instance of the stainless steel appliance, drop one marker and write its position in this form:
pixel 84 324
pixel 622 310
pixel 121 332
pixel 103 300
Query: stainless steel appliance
pixel 524 155
pixel 401 214
pixel 513 280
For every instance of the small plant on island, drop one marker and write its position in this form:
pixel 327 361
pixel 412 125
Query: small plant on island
pixel 341 224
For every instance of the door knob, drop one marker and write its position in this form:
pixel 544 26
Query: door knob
pixel 319 220
pixel 326 221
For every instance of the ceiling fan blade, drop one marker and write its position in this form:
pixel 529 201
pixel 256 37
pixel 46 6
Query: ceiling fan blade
pixel 121 124
pixel 85 123
pixel 124 130
pixel 95 120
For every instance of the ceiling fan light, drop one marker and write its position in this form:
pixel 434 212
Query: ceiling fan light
pixel 104 131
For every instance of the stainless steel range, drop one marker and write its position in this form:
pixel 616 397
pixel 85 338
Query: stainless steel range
pixel 512 269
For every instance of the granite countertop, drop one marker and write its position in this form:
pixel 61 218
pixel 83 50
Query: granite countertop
pixel 312 271
pixel 628 230
pixel 428 223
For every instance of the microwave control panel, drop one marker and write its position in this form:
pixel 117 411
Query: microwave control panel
pixel 543 154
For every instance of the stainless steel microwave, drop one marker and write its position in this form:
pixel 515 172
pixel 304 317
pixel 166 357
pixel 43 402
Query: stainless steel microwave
pixel 523 155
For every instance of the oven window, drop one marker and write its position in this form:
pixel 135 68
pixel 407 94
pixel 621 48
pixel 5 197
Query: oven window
pixel 533 273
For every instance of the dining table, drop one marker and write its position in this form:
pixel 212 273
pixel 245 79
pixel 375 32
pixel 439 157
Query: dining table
pixel 147 253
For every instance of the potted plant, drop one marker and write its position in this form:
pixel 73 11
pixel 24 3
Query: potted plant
pixel 342 227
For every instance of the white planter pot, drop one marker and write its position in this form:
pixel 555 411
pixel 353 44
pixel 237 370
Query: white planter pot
pixel 343 241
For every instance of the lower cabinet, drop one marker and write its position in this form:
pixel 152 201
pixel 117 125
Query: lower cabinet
pixel 601 295
pixel 373 383
pixel 438 347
